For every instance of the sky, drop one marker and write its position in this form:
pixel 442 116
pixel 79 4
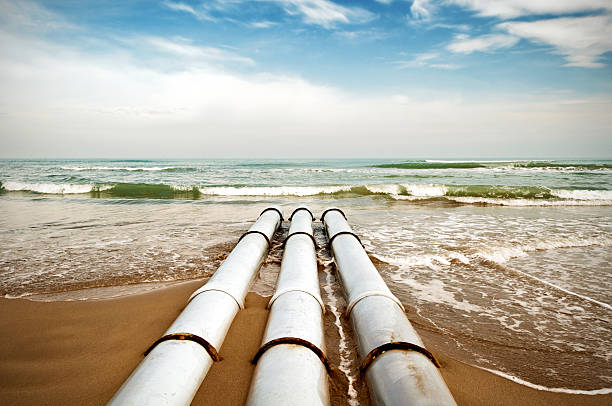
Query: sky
pixel 306 78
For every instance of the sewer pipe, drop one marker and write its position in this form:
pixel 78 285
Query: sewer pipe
pixel 397 367
pixel 291 363
pixel 176 364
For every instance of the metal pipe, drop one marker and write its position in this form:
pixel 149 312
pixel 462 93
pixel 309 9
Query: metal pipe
pixel 397 367
pixel 176 364
pixel 291 364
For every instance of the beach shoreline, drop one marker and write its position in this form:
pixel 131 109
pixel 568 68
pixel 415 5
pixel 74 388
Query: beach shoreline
pixel 80 352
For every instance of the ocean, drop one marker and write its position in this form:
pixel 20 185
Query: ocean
pixel 506 264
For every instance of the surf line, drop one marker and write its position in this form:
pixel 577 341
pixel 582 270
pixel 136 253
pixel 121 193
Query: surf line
pixel 569 292
pixel 345 363
pixel 603 391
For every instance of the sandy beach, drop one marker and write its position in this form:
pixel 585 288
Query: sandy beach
pixel 80 352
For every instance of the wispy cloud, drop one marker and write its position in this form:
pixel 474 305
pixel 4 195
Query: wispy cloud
pixel 422 10
pixel 464 44
pixel 516 8
pixel 362 35
pixel 29 15
pixel 582 40
pixel 425 60
pixel 184 48
pixel 99 100
pixel 457 27
pixel 262 24
pixel 199 13
pixel 325 13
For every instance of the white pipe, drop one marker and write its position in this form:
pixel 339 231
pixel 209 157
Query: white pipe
pixel 290 365
pixel 174 368
pixel 398 369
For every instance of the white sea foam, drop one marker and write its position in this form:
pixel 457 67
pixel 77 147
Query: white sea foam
pixel 603 391
pixel 345 363
pixel 569 292
pixel 272 191
pixel 530 202
pixel 434 291
pixel 501 254
pixel 496 253
pixel 426 190
pixel 593 195
pixel 119 168
pixel 52 188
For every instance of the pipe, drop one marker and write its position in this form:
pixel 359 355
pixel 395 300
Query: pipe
pixel 291 364
pixel 177 363
pixel 398 368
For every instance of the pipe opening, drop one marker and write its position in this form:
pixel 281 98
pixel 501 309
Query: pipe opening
pixel 395 345
pixel 329 243
pixel 298 233
pixel 332 209
pixel 254 232
pixel 297 341
pixel 274 209
pixel 212 351
pixel 302 208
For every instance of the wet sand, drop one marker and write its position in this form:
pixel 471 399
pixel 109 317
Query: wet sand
pixel 79 353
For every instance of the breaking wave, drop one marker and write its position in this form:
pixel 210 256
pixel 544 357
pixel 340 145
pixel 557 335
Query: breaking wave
pixel 434 164
pixel 130 169
pixel 464 194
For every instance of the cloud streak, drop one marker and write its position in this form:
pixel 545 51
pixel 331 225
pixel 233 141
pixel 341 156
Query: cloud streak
pixel 325 13
pixel 199 14
pixel 582 40
pixel 464 44
pixel 425 60
pixel 185 49
pixel 69 98
pixel 515 8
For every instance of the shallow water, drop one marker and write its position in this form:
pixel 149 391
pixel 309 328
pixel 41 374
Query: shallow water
pixel 507 264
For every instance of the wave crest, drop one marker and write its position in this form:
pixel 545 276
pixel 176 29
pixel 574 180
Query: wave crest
pixel 464 194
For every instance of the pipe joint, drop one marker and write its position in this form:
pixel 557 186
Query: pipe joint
pixel 296 341
pixel 332 209
pixel 212 351
pixel 255 232
pixel 329 243
pixel 281 292
pixel 205 288
pixel 300 233
pixel 276 209
pixel 369 293
pixel 395 345
pixel 302 208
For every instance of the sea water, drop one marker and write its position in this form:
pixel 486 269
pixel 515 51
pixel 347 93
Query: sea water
pixel 505 263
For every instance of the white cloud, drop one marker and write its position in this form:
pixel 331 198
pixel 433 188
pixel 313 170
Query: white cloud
pixel 184 48
pixel 465 44
pixel 199 14
pixel 28 15
pixel 262 24
pixel 362 35
pixel 422 10
pixel 582 40
pixel 515 8
pixel 458 27
pixel 59 101
pixel 425 60
pixel 325 13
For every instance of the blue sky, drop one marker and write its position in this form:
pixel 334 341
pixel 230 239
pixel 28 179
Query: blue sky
pixel 275 77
